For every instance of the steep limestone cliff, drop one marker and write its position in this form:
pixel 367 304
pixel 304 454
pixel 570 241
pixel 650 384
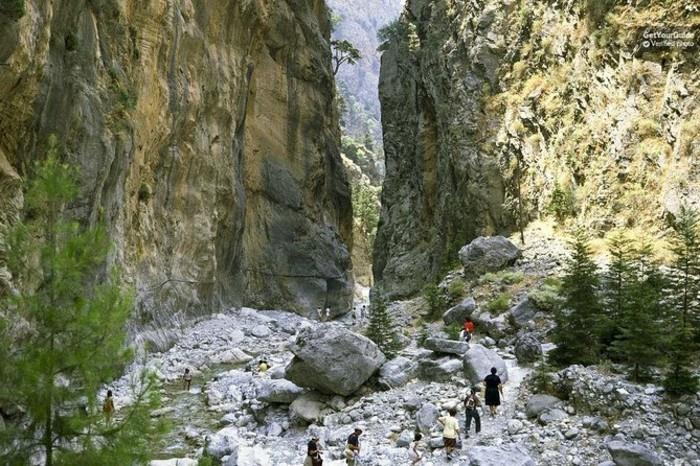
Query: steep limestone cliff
pixel 489 105
pixel 206 138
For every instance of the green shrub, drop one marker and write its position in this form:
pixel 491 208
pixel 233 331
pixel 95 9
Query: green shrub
pixel 456 289
pixel 453 330
pixel 509 277
pixel 547 297
pixel 437 302
pixel 423 334
pixel 127 98
pixel 499 304
pixel 71 42
pixel 561 205
pixel 14 9
pixel 541 379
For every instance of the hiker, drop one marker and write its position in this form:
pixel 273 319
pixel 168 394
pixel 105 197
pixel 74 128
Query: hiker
pixel 108 407
pixel 414 449
pixel 494 391
pixel 187 380
pixel 352 448
pixel 328 314
pixel 467 330
pixel 263 366
pixel 319 312
pixel 313 453
pixel 471 405
pixel 450 432
pixel 357 315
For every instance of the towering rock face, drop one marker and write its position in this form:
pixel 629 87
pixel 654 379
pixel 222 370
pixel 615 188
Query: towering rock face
pixel 206 138
pixel 489 104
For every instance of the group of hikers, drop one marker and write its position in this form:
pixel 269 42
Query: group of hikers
pixel 450 426
pixel 351 452
pixel 359 314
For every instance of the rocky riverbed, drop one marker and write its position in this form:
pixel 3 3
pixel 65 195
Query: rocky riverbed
pixel 325 379
pixel 247 418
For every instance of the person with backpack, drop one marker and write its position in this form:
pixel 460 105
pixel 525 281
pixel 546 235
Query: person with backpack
pixel 187 380
pixel 471 408
pixel 414 449
pixel 494 391
pixel 352 448
pixel 108 407
pixel 467 330
pixel 450 432
pixel 313 453
pixel 263 366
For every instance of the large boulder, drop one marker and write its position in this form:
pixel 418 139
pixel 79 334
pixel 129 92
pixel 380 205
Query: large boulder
pixel 478 361
pixel 439 369
pixel 552 416
pixel 512 455
pixel 457 314
pixel 277 391
pixel 495 326
pixel 397 372
pixel 630 454
pixel 224 442
pixel 426 417
pixel 527 348
pixel 488 254
pixel 446 346
pixel 537 404
pixel 332 359
pixel 523 312
pixel 308 409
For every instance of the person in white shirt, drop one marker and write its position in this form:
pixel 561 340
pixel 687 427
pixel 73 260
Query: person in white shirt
pixel 450 432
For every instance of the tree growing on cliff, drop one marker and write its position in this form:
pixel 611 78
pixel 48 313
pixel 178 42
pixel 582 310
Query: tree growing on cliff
pixel 344 52
pixel 365 206
pixel 579 322
pixel 381 328
pixel 63 336
pixel 684 292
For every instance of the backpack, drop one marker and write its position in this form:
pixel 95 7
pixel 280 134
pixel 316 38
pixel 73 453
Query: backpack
pixel 108 406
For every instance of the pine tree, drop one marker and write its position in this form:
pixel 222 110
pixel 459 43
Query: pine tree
pixel 63 337
pixel 637 340
pixel 685 298
pixel 381 328
pixel 578 329
pixel 617 280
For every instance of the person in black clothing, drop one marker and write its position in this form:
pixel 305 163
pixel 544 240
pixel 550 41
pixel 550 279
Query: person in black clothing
pixel 352 449
pixel 471 405
pixel 494 391
pixel 313 453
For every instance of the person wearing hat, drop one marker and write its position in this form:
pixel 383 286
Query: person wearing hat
pixel 471 405
pixel 313 453
pixel 352 448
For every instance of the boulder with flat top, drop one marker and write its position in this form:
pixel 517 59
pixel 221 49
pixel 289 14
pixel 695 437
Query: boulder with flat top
pixel 488 254
pixel 332 359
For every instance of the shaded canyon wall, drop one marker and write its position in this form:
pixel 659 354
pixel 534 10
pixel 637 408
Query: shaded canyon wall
pixel 206 137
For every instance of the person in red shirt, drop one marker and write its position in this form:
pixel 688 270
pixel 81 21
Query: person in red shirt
pixel 468 329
